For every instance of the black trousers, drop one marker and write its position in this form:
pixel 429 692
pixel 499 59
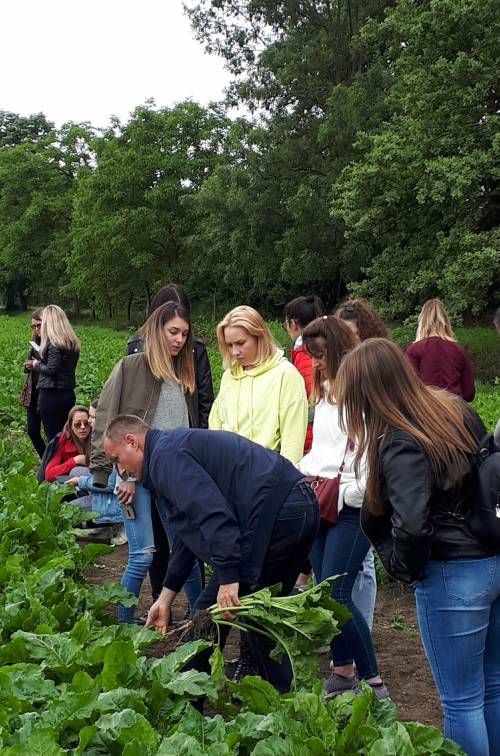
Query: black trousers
pixel 294 531
pixel 54 408
pixel 159 565
pixel 34 425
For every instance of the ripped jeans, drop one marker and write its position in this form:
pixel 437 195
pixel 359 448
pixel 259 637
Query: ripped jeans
pixel 141 548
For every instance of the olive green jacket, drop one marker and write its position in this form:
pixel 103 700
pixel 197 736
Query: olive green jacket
pixel 133 390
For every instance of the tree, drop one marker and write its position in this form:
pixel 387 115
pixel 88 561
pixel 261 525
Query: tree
pixel 421 201
pixel 35 213
pixel 296 67
pixel 130 221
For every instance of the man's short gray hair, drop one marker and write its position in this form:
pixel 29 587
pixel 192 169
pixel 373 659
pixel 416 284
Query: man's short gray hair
pixel 123 424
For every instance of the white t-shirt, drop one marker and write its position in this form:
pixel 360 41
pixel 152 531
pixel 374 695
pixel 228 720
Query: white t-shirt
pixel 326 454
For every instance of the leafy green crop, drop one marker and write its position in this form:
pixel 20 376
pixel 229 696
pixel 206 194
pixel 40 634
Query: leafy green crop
pixel 297 624
pixel 73 682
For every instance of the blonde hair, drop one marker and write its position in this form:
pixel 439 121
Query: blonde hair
pixel 57 330
pixel 161 363
pixel 253 323
pixel 434 321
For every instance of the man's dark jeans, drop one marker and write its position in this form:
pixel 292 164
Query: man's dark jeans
pixel 294 531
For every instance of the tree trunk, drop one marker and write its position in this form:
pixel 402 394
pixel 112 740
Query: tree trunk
pixel 148 297
pixel 129 306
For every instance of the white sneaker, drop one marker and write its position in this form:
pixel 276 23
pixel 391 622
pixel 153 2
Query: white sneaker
pixel 119 538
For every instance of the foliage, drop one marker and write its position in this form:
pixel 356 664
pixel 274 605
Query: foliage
pixel 297 625
pixel 420 202
pixel 73 682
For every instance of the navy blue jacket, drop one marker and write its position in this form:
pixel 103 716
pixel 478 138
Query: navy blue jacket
pixel 222 494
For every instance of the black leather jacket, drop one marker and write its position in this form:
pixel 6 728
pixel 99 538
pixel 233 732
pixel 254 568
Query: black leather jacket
pixel 203 376
pixel 422 516
pixel 56 369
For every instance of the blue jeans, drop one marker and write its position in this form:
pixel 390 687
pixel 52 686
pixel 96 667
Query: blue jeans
pixel 141 546
pixel 338 549
pixel 364 593
pixel 294 530
pixel 458 609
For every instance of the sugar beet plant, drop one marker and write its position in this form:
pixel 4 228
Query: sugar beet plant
pixel 73 682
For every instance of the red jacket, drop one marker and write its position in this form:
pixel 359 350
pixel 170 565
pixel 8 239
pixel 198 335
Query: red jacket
pixel 303 363
pixel 62 462
pixel 444 364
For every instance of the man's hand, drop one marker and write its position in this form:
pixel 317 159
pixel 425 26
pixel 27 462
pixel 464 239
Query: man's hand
pixel 73 481
pixel 126 492
pixel 228 597
pixel 159 616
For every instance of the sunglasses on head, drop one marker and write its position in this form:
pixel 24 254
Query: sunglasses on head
pixel 81 424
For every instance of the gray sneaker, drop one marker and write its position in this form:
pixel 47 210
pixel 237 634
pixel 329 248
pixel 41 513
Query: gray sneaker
pixel 337 684
pixel 381 692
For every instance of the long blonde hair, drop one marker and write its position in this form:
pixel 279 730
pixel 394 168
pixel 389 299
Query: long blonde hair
pixel 434 321
pixel 377 389
pixel 161 363
pixel 57 330
pixel 253 323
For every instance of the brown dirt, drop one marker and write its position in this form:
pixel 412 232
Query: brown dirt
pixel 399 651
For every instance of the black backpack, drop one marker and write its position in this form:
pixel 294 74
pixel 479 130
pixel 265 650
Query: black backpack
pixel 484 516
pixel 49 452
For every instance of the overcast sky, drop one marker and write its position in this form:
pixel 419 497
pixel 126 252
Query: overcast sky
pixel 85 61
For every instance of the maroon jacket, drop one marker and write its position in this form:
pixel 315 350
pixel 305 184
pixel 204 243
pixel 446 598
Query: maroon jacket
pixel 444 364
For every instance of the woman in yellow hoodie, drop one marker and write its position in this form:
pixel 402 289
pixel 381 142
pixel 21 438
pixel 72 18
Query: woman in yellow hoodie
pixel 262 395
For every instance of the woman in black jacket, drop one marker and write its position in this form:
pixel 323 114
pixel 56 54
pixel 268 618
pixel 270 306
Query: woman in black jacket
pixel 30 398
pixel 422 479
pixel 55 369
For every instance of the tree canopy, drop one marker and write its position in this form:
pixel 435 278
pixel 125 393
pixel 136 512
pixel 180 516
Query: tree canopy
pixel 367 163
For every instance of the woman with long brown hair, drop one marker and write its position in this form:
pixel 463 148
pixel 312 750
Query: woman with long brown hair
pixel 339 549
pixel 73 448
pixel 157 385
pixel 420 445
pixel 365 323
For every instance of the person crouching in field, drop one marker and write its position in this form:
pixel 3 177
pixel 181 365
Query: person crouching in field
pixel 243 509
pixel 72 453
pixel 421 444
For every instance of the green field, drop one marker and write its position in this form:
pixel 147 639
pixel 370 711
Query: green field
pixel 73 682
pixel 103 347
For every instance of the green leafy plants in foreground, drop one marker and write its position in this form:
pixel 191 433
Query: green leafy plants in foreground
pixel 297 624
pixel 72 682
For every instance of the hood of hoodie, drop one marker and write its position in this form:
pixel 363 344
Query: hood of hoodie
pixel 238 372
